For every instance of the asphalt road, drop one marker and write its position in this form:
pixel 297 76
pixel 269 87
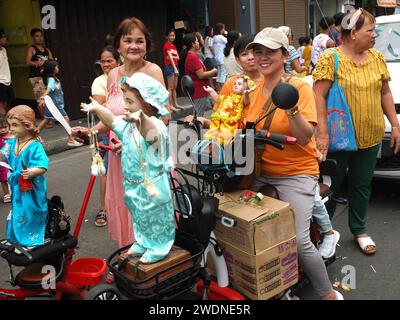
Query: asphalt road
pixel 374 277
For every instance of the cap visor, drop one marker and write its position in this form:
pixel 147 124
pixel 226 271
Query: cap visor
pixel 266 43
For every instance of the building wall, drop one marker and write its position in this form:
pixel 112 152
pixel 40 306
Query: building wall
pixel 247 16
pixel 18 17
pixel 244 16
pixel 270 13
pixel 275 13
pixel 82 26
pixel 224 11
pixel 296 17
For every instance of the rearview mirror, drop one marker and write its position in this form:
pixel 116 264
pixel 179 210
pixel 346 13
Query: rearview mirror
pixel 285 96
pixel 187 86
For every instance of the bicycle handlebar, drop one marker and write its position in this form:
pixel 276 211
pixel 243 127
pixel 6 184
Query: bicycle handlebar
pixel 276 137
pixel 270 142
pixel 273 139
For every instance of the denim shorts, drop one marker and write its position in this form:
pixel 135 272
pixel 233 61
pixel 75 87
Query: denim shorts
pixel 169 71
pixel 60 107
pixel 222 75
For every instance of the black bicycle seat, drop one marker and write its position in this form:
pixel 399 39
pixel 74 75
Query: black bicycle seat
pixel 24 256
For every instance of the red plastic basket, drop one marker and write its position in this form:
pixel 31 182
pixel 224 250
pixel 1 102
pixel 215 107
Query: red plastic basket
pixel 86 271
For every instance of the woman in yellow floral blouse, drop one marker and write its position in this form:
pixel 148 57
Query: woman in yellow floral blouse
pixel 364 77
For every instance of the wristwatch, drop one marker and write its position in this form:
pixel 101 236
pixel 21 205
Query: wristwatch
pixel 293 112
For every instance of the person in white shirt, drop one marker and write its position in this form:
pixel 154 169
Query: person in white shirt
pixel 300 50
pixel 293 61
pixel 322 41
pixel 209 61
pixel 6 91
pixel 208 42
pixel 231 66
pixel 109 59
pixel 219 44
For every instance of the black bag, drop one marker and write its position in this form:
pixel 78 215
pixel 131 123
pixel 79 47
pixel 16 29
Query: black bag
pixel 58 223
pixel 197 212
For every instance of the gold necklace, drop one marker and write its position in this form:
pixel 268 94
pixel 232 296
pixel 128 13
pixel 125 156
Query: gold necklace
pixel 149 185
pixel 138 145
pixel 20 146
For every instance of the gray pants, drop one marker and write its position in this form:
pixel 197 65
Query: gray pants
pixel 201 105
pixel 299 191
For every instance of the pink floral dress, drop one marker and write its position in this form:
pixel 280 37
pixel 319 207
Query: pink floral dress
pixel 120 225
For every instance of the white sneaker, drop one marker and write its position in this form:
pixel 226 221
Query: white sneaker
pixel 74 144
pixel 328 246
pixel 339 295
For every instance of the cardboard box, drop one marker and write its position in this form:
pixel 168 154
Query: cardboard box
pixel 259 227
pixel 265 275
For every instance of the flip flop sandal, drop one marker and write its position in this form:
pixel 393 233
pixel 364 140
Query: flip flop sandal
pixel 74 144
pixel 100 219
pixel 364 242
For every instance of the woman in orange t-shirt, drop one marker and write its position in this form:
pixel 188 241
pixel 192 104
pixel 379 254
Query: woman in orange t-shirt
pixel 293 171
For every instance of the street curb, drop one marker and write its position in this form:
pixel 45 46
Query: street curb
pixel 57 146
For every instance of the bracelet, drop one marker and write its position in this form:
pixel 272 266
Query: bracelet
pixel 396 127
pixel 293 112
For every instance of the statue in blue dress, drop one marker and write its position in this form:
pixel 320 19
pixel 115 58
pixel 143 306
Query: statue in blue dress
pixel 146 162
pixel 28 161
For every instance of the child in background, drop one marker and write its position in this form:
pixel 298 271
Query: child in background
pixel 146 161
pixel 300 49
pixel 331 237
pixel 171 72
pixel 55 92
pixel 4 136
pixel 228 115
pixel 307 53
pixel 26 156
pixel 219 43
